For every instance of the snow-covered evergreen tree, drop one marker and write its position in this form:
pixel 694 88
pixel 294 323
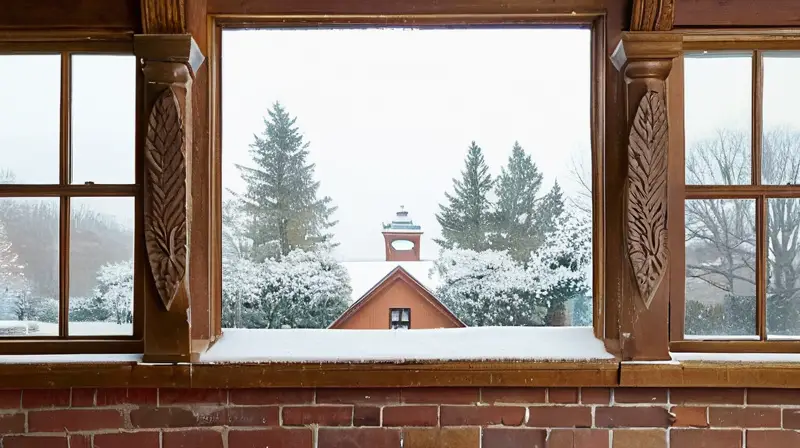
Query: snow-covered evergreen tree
pixel 465 219
pixel 550 209
pixel 283 211
pixel 487 288
pixel 561 268
pixel 304 289
pixel 515 219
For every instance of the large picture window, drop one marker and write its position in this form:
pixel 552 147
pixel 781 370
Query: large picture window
pixel 442 171
pixel 68 199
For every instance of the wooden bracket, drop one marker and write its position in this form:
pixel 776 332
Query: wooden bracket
pixel 645 60
pixel 169 62
pixel 163 17
pixel 653 15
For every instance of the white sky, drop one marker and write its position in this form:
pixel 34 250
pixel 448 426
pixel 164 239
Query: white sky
pixel 390 113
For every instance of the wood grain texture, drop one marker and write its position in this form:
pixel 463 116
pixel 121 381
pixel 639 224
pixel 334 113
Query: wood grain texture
pixel 647 195
pixel 52 15
pixel 737 13
pixel 163 17
pixel 165 196
pixel 653 15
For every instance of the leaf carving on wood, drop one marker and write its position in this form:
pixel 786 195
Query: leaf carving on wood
pixel 647 195
pixel 652 15
pixel 165 196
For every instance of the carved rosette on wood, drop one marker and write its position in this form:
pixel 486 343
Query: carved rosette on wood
pixel 647 195
pixel 165 198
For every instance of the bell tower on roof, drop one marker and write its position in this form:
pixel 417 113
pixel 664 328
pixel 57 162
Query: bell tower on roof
pixel 402 238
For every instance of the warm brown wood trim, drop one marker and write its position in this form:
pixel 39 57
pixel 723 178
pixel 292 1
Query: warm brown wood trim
pixel 402 7
pixel 737 13
pixel 65 178
pixel 652 15
pixel 113 374
pixel 761 268
pixel 163 16
pixel 139 255
pixel 84 42
pixel 750 40
pixel 676 197
pixel 598 95
pixel 734 346
pixel 741 191
pixel 21 190
pixel 431 20
pixel 757 106
pixel 51 345
pixel 711 374
pixel 215 175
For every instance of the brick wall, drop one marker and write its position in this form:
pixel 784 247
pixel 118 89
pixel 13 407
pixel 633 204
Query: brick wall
pixel 411 418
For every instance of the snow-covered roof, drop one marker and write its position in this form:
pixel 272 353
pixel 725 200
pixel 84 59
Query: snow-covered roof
pixel 364 275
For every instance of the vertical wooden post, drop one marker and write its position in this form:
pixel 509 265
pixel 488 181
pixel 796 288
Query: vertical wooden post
pixel 169 62
pixel 645 60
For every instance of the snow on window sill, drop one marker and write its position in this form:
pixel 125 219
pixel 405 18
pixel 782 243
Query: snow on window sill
pixel 363 346
pixel 71 359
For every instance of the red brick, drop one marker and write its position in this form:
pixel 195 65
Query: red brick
pixel 773 396
pixel 690 416
pixel 45 398
pixel 481 415
pixel 640 438
pixel 595 395
pixel 74 420
pixel 12 423
pixel 358 396
pixel 772 439
pixel 35 442
pixel 441 438
pixel 175 417
pixel 749 417
pixel 82 398
pixel 493 395
pixel 319 415
pixel 514 438
pixel 253 416
pixel 358 438
pixel 10 398
pixel 705 438
pixel 117 396
pixel 127 440
pixel 632 417
pixel 366 416
pixel 84 441
pixel 706 396
pixel 273 437
pixel 560 416
pixel 410 416
pixel 562 395
pixel 192 396
pixel 203 438
pixel 441 395
pixel 578 438
pixel 643 395
pixel 271 396
pixel 791 418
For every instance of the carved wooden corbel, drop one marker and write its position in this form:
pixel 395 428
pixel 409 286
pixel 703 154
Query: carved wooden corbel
pixel 653 15
pixel 645 60
pixel 169 62
pixel 163 17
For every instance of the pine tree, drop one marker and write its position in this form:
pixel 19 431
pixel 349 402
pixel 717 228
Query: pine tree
pixel 551 208
pixel 283 211
pixel 515 221
pixel 465 219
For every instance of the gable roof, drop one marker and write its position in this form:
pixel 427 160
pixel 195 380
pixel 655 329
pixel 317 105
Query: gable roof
pixel 364 275
pixel 398 273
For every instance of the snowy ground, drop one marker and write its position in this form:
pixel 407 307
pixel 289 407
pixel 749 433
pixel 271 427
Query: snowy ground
pixel 75 328
pixel 457 344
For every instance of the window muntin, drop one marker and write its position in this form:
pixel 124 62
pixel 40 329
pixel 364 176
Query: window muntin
pixel 76 229
pixel 315 98
pixel 741 221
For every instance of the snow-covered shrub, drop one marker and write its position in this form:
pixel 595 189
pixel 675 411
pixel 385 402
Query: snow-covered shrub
pixel 112 299
pixel 487 288
pixel 302 290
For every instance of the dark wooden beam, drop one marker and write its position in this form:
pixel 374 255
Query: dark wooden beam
pixel 119 15
pixel 737 13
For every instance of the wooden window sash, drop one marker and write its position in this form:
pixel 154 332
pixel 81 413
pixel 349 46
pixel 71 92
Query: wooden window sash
pixel 756 42
pixel 67 45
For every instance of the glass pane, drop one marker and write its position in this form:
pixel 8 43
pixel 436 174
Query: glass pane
pixel 783 269
pixel 30 92
pixel 718 97
pixel 29 267
pixel 103 119
pixel 101 266
pixel 305 235
pixel 395 315
pixel 781 142
pixel 405 315
pixel 720 268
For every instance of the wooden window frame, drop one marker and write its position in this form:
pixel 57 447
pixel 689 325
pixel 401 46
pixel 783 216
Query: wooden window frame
pixel 67 44
pixel 756 42
pixel 594 20
pixel 400 318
